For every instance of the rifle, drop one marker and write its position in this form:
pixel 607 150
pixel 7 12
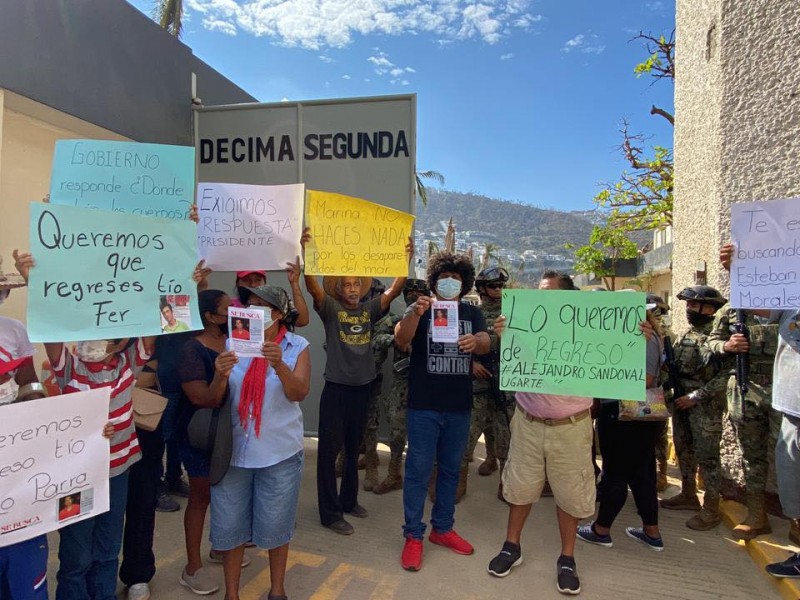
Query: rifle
pixel 742 358
pixel 674 379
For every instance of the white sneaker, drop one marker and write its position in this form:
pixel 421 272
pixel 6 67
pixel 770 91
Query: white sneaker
pixel 139 591
pixel 200 583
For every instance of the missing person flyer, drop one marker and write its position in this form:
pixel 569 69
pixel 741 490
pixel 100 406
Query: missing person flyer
pixel 246 330
pixel 444 321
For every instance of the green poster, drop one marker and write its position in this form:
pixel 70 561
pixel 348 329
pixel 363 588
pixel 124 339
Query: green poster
pixel 574 343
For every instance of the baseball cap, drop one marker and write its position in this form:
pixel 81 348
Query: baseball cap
pixel 240 274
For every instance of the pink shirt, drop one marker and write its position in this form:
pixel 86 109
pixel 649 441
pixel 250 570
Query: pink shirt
pixel 550 406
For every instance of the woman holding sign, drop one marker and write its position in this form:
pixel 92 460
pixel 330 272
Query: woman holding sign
pixel 257 498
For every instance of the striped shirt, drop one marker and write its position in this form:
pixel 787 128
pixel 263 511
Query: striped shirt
pixel 119 374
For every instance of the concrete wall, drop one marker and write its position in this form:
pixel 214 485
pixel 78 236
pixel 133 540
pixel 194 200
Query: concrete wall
pixel 737 130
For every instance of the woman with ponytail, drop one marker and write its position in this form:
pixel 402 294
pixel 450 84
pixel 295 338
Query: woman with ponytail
pixel 257 498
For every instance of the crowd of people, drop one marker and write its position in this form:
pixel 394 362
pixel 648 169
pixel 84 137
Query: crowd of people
pixel 234 425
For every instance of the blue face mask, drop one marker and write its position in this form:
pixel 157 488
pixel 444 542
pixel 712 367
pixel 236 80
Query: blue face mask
pixel 448 288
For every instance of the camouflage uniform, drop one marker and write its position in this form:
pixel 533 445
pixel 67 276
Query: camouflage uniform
pixel 380 353
pixel 488 410
pixel 751 416
pixel 697 432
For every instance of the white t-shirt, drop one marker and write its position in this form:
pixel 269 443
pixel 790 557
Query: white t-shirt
pixel 14 338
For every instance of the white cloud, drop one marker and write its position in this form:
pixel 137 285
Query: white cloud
pixel 508 56
pixel 654 6
pixel 399 82
pixel 584 44
pixel 383 66
pixel 346 77
pixel 315 24
pixel 325 59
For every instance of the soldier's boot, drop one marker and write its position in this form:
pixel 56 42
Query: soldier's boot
pixel 489 465
pixel 371 473
pixel 686 500
pixel 756 522
pixel 393 481
pixel 462 483
pixel 794 531
pixel 432 484
pixel 661 478
pixel 340 463
pixel 709 517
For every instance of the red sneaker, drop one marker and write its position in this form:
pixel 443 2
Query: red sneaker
pixel 453 541
pixel 411 559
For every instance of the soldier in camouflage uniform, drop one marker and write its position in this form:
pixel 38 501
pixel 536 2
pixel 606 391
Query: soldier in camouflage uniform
pixel 751 414
pixel 697 413
pixel 491 409
pixel 394 400
pixel 380 353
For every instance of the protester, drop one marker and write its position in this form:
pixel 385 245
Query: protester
pixel 785 400
pixel 23 566
pixel 697 411
pixel 395 400
pixel 565 461
pixel 439 404
pixel 349 372
pixel 257 497
pixel 492 408
pixel 88 550
pixel 628 451
pixel 203 369
pixel 750 414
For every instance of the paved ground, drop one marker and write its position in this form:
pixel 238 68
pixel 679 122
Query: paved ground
pixel 365 566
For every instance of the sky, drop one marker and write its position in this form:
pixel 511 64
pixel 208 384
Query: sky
pixel 518 100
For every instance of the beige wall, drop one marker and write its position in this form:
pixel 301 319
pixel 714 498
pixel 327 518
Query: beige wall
pixel 28 132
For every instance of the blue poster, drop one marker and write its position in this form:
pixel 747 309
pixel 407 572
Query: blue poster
pixel 151 180
pixel 101 275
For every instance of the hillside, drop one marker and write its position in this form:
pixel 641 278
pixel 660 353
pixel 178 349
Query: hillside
pixel 516 227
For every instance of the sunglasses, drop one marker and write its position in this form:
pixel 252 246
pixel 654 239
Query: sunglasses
pixel 495 286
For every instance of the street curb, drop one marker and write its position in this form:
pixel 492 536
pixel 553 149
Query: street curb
pixel 763 550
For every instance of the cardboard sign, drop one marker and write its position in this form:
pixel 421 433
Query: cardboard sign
pixel 765 272
pixel 105 275
pixel 573 343
pixel 150 180
pixel 249 227
pixel 351 236
pixel 54 465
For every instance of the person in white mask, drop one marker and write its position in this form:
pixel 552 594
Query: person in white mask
pixel 439 404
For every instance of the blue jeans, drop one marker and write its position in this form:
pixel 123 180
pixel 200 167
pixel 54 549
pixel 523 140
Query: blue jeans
pixel 23 570
pixel 440 437
pixel 89 550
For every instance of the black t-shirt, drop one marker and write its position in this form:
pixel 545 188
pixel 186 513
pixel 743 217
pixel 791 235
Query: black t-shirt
pixel 440 375
pixel 195 363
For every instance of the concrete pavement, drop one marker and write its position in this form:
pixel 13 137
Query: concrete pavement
pixel 366 566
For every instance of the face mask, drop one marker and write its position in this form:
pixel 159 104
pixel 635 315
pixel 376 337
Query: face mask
pixel 93 351
pixel 448 288
pixel 8 391
pixel 267 316
pixel 224 328
pixel 698 320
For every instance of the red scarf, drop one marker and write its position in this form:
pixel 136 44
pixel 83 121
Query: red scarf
pixel 253 387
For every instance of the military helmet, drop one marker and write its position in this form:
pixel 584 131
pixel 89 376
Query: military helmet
pixel 654 301
pixel 416 285
pixel 704 294
pixel 491 275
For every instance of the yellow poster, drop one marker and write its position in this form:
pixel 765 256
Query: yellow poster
pixel 350 236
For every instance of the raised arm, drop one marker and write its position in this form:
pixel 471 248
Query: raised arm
pixel 404 331
pixel 312 285
pixel 293 275
pixel 397 285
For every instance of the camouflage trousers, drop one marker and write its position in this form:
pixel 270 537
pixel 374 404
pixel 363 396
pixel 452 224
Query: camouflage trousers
pixel 756 425
pixel 370 442
pixel 486 414
pixel 394 405
pixel 697 434
pixel 662 445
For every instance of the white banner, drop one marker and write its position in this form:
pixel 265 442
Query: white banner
pixel 249 226
pixel 765 272
pixel 54 463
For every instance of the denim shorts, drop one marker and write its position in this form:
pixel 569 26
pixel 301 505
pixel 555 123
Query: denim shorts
pixel 195 461
pixel 258 505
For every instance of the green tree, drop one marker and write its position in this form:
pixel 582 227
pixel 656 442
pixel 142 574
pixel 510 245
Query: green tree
pixel 422 191
pixel 607 246
pixel 169 14
pixel 642 198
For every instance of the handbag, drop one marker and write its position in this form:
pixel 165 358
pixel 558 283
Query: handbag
pixel 210 431
pixel 148 408
pixel 654 408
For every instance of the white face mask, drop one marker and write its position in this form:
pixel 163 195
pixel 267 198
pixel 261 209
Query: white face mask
pixel 8 391
pixel 92 351
pixel 448 288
